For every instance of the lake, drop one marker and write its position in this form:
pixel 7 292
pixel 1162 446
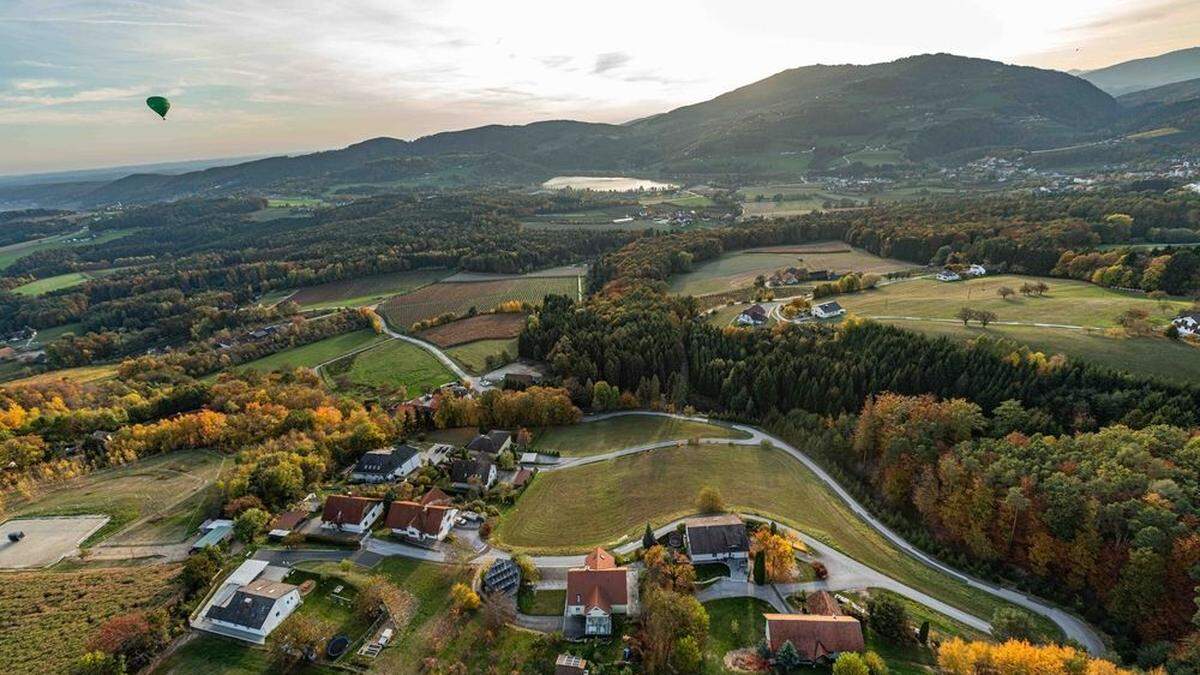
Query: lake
pixel 605 183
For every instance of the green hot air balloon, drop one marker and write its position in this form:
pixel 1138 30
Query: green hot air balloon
pixel 159 105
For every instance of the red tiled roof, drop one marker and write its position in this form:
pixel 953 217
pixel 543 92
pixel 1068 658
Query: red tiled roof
pixel 522 477
pixel 288 520
pixel 427 518
pixel 346 508
pixel 599 559
pixel 814 636
pixel 597 588
pixel 822 603
pixel 434 496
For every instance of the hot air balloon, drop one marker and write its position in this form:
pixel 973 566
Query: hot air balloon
pixel 159 105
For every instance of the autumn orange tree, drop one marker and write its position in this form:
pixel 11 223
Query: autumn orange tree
pixel 958 657
pixel 779 556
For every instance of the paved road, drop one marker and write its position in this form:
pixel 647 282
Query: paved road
pixel 438 354
pixel 1072 626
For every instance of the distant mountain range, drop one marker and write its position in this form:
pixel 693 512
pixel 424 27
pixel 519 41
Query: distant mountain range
pixel 1148 73
pixel 940 109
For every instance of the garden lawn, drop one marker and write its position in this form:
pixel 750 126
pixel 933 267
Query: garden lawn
pixel 615 433
pixel 473 355
pixel 606 503
pixel 724 636
pixel 543 602
pixel 315 353
pixel 389 366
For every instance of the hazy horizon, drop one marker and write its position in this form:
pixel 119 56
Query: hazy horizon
pixel 251 79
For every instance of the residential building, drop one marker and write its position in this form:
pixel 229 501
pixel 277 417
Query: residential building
pixel 828 310
pixel 1187 323
pixel 286 522
pixel 249 605
pixel 822 603
pixel 347 513
pixel 717 539
pixel 595 592
pixel 755 315
pixel 381 466
pixel 569 664
pixel 475 471
pixel 425 521
pixel 948 275
pixel 818 639
pixel 493 442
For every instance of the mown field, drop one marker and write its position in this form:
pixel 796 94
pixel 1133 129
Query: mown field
pixel 473 355
pixel 364 290
pixel 402 311
pixel 52 283
pixel 154 500
pixel 572 510
pixel 481 327
pixel 316 353
pixel 47 618
pixel 82 374
pixel 14 252
pixel 389 366
pixel 614 433
pixel 738 269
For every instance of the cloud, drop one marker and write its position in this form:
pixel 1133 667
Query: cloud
pixel 35 85
pixel 99 95
pixel 610 60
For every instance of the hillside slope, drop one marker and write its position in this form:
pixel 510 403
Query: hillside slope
pixel 1147 73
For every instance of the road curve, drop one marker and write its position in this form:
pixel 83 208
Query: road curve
pixel 1072 626
pixel 438 354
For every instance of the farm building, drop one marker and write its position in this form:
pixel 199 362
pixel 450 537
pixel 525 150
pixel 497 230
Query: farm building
pixel 347 513
pixel 717 538
pixel 381 466
pixel 569 664
pixel 216 532
pixel 248 606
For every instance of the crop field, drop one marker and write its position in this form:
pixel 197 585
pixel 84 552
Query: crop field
pixel 596 504
pixel 389 366
pixel 738 269
pixel 315 353
pixel 457 298
pixel 82 374
pixel 625 431
pixel 364 290
pixel 473 355
pixel 47 618
pixel 481 327
pixel 151 500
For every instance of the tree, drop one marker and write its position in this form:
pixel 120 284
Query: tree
pixel 985 316
pixel 1010 623
pixel 250 523
pixel 709 500
pixel 1135 321
pixel 300 636
pixel 888 618
pixel 648 539
pixel 371 597
pixel 463 598
pixel 779 558
pixel 499 610
pixel 668 569
pixel 530 574
pixel 850 663
pixel 788 658
pixel 200 569
pixel 923 633
pixel 134 636
pixel 875 664
pixel 760 568
pixel 98 663
pixel 965 314
pixel 686 657
pixel 667 618
pixel 1005 292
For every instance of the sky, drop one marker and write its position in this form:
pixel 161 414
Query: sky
pixel 250 77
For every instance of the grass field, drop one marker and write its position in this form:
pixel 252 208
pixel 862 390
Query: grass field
pixel 82 374
pixel 47 335
pixel 155 500
pixel 215 655
pixel 364 290
pixel 724 636
pixel 738 269
pixel 473 355
pixel 457 298
pixel 608 502
pixel 52 283
pixel 47 618
pixel 14 252
pixel 593 438
pixel 481 327
pixel 388 367
pixel 315 353
pixel 542 603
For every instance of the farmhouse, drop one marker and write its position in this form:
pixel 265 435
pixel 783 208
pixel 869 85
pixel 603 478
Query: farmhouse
pixel 381 466
pixel 347 513
pixel 1187 324
pixel 717 538
pixel 828 310
pixel 595 592
pixel 493 442
pixel 948 275
pixel 425 521
pixel 754 315
pixel 818 639
pixel 471 472
pixel 248 606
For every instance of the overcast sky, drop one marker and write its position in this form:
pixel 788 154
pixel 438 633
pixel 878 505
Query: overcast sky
pixel 247 77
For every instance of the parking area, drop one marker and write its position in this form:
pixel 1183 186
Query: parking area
pixel 46 540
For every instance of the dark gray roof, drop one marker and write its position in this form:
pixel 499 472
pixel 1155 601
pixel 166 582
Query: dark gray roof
pixel 717 539
pixel 831 306
pixel 384 463
pixel 491 442
pixel 461 470
pixel 244 609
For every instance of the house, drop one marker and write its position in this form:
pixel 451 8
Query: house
pixel 426 521
pixel 948 275
pixel 976 270
pixel 286 522
pixel 493 442
pixel 755 315
pixel 822 603
pixel 381 466
pixel 471 472
pixel 595 592
pixel 347 513
pixel 817 638
pixel 248 606
pixel 504 576
pixel 1187 324
pixel 828 310
pixel 716 538
pixel 569 664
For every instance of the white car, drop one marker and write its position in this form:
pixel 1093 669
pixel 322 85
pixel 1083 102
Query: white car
pixel 385 636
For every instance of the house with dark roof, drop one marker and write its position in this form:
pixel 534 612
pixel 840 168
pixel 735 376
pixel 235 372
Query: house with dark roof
pixel 755 315
pixel 716 538
pixel 828 310
pixel 426 521
pixel 595 592
pixel 249 605
pixel 347 513
pixel 818 639
pixel 475 471
pixel 493 442
pixel 388 464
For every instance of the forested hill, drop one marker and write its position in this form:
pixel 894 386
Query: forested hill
pixel 933 108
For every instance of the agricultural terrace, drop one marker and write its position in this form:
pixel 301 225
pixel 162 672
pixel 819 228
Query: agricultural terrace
pixel 625 431
pixel 474 356
pixel 500 326
pixel 457 298
pixel 738 269
pixel 47 618
pixel 387 368
pixel 315 353
pixel 593 503
pixel 155 500
pixel 364 290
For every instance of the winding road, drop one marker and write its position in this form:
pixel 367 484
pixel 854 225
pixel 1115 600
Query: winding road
pixel 438 354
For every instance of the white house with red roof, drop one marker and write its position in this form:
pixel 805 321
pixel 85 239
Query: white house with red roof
pixel 595 592
pixel 426 520
pixel 347 513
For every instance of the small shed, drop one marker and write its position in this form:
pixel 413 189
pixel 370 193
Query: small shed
pixel 214 537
